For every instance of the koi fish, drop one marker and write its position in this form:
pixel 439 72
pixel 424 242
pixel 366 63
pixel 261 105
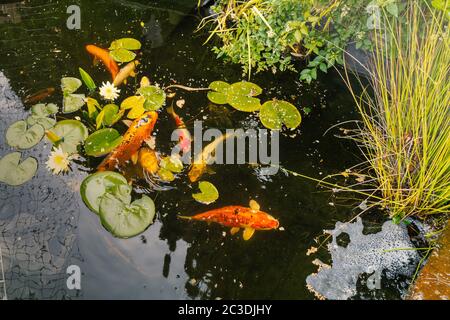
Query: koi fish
pixel 139 130
pixel 185 139
pixel 148 160
pixel 103 55
pixel 39 96
pixel 125 72
pixel 199 166
pixel 237 217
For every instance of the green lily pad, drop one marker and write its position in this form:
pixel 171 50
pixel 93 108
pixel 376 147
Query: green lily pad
pixel 125 220
pixel 166 175
pixel 102 142
pixel 45 122
pixel 44 110
pixel 70 85
pixel 109 115
pixel 72 133
pixel 13 172
pixel 239 95
pixel 172 163
pixel 126 43
pixel 87 79
pixel 96 185
pixel 122 55
pixel 275 113
pixel 208 193
pixel 219 93
pixel 18 135
pixel 154 97
pixel 73 102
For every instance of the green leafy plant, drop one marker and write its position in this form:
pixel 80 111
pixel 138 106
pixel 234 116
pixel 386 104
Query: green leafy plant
pixel 208 193
pixel 273 34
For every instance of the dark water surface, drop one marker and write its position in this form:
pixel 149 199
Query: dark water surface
pixel 45 226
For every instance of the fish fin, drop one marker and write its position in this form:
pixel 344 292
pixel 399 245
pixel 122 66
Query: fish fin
pixel 170 110
pixel 132 74
pixel 151 142
pixel 184 217
pixel 234 230
pixel 96 61
pixel 210 171
pixel 135 158
pixel 254 205
pixel 127 123
pixel 248 233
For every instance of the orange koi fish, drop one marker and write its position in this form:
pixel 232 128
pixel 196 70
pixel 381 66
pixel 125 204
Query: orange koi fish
pixel 39 96
pixel 139 130
pixel 185 139
pixel 237 217
pixel 103 55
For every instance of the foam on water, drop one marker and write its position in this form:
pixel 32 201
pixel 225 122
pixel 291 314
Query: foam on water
pixel 369 254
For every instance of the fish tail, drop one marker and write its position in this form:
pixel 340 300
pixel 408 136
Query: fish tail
pixel 171 111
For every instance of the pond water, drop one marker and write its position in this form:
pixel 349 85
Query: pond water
pixel 45 226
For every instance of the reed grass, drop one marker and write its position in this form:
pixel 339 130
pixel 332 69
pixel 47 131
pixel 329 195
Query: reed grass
pixel 405 131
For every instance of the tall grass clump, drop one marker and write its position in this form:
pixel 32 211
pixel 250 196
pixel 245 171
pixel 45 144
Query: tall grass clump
pixel 405 131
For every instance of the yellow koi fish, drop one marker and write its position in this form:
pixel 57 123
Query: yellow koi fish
pixel 125 72
pixel 199 166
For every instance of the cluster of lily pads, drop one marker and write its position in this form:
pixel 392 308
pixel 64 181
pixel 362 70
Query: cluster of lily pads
pixel 242 96
pixel 108 194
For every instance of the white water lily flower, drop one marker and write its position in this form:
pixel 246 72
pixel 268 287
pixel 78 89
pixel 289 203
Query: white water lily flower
pixel 108 91
pixel 58 161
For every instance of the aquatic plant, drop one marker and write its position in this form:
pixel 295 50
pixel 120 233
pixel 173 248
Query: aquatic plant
pixel 406 121
pixel 272 34
pixel 108 91
pixel 15 173
pixel 121 50
pixel 208 193
pixel 242 96
pixel 58 161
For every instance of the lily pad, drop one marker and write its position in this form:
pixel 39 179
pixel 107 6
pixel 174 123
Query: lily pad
pixel 166 175
pixel 13 172
pixel 132 102
pixel 96 185
pixel 45 122
pixel 87 79
pixel 154 97
pixel 122 55
pixel 172 163
pixel 102 142
pixel 126 43
pixel 72 133
pixel 125 220
pixel 208 193
pixel 20 136
pixel 40 115
pixel 70 85
pixel 219 93
pixel 109 115
pixel 44 110
pixel 73 102
pixel 239 95
pixel 275 113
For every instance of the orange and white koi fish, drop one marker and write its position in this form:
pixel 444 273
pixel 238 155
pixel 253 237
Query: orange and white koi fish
pixel 125 72
pixel 103 55
pixel 139 130
pixel 185 139
pixel 237 217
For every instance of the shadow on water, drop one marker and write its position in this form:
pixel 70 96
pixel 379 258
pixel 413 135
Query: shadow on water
pixel 173 258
